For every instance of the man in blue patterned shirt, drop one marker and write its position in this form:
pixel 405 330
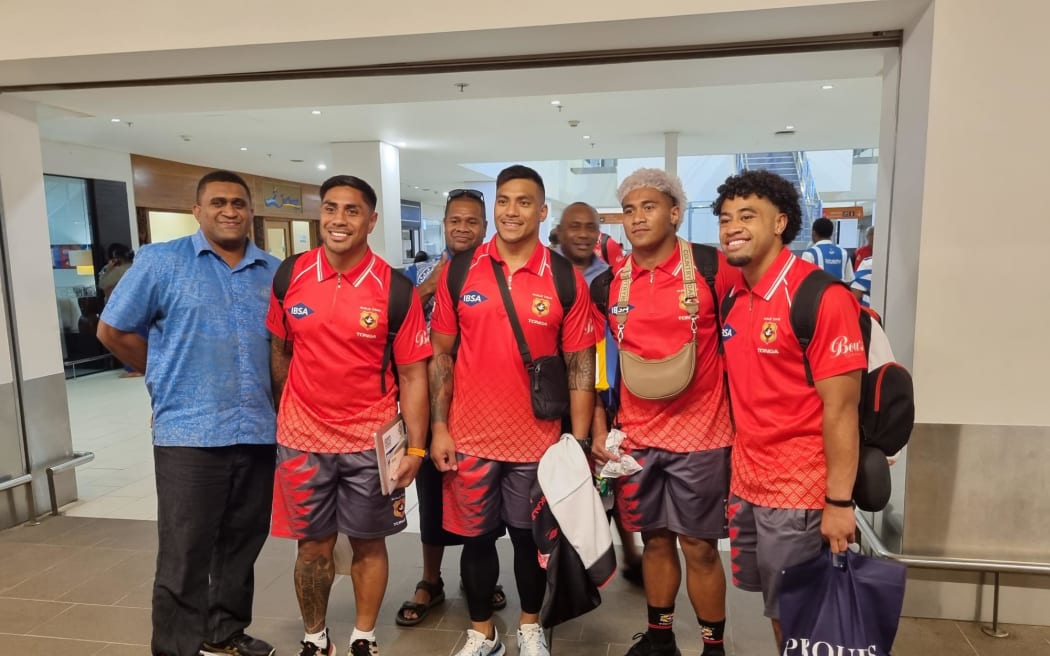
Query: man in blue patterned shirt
pixel 203 300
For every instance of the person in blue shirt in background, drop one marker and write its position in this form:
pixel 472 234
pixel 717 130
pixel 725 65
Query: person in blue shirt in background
pixel 203 299
pixel 861 284
pixel 826 255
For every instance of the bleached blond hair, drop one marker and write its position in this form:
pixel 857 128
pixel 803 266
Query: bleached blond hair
pixel 654 179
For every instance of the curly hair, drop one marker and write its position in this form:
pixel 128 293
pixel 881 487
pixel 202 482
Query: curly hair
pixel 657 179
pixel 778 191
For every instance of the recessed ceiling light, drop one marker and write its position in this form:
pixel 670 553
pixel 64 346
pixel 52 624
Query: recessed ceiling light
pixel 401 144
pixel 586 136
pixel 244 147
pixel 827 87
pixel 114 120
pixel 556 103
pixel 445 194
pixel 316 112
pixel 415 186
pixel 789 127
pixel 322 166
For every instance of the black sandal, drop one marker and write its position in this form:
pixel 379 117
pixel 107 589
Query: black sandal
pixel 499 598
pixel 421 610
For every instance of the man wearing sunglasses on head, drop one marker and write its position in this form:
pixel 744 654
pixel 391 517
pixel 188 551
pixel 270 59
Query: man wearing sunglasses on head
pixel 465 227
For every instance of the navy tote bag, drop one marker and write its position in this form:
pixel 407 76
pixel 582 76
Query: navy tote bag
pixel 841 605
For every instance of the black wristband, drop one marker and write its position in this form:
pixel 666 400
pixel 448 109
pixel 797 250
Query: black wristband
pixel 841 503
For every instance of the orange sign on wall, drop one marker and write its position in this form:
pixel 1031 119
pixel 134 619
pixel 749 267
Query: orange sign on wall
pixel 833 213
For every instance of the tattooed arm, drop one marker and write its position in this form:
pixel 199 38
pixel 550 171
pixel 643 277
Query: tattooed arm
pixel 280 358
pixel 581 365
pixel 442 447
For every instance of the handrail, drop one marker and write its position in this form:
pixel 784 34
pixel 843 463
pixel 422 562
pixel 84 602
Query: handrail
pixel 997 567
pixel 937 562
pixel 78 458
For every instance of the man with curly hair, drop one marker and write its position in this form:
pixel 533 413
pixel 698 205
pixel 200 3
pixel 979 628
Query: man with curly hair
pixel 682 442
pixel 796 449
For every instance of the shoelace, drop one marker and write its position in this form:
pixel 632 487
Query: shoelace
pixel 475 644
pixel 532 639
pixel 362 647
pixel 309 649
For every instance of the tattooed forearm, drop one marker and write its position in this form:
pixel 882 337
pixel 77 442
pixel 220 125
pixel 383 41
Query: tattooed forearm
pixel 313 584
pixel 280 358
pixel 581 369
pixel 440 371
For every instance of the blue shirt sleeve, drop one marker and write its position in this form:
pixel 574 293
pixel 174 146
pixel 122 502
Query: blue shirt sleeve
pixel 410 273
pixel 135 299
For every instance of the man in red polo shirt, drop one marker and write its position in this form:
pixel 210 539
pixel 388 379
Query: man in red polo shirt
pixel 485 434
pixel 796 450
pixel 329 335
pixel 682 443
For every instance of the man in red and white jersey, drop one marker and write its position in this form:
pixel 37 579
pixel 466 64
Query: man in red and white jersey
pixel 329 338
pixel 683 442
pixel 485 433
pixel 796 450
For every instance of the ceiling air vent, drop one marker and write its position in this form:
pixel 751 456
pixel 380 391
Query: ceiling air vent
pixel 783 133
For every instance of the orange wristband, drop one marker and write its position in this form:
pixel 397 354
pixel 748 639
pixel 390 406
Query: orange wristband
pixel 414 451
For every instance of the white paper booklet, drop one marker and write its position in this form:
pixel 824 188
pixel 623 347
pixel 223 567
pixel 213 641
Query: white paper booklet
pixel 391 441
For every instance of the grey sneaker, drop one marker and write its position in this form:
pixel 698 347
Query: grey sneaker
pixel 478 645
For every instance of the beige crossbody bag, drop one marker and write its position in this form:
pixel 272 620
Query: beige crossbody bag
pixel 663 378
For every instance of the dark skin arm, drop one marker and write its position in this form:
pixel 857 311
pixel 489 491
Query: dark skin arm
pixel 412 382
pixel 840 395
pixel 442 447
pixel 580 366
pixel 280 359
pixel 128 347
pixel 428 287
pixel 599 433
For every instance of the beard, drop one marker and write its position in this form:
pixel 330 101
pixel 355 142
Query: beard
pixel 738 260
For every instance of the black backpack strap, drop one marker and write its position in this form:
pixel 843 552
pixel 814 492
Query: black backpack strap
pixel 564 281
pixel 805 304
pixel 283 278
pixel 398 302
pixel 705 259
pixel 604 241
pixel 600 291
pixel 457 276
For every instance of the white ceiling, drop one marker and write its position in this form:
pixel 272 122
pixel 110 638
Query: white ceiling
pixel 717 106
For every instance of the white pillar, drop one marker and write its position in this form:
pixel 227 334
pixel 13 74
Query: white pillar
pixel 671 152
pixel 378 164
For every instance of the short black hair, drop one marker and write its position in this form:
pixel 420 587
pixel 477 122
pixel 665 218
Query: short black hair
pixel 222 176
pixel 120 251
pixel 521 172
pixel 778 191
pixel 823 228
pixel 353 182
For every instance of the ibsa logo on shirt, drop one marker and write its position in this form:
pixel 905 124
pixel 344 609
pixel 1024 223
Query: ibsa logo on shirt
pixel 472 298
pixel 727 332
pixel 615 310
pixel 300 311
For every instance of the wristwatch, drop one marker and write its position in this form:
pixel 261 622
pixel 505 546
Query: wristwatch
pixel 841 503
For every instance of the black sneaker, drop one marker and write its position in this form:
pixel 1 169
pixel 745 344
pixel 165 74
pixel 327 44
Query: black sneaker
pixel 310 649
pixel 239 644
pixel 362 647
pixel 646 647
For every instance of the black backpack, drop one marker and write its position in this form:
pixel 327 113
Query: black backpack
pixel 398 301
pixel 561 268
pixel 886 412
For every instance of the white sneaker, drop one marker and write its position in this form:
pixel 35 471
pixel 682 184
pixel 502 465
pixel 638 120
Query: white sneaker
pixel 532 641
pixel 478 645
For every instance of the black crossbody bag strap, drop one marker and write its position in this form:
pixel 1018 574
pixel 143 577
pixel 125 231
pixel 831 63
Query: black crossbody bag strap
pixel 512 314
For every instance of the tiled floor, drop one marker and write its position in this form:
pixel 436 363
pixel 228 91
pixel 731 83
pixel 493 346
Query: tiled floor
pixel 80 583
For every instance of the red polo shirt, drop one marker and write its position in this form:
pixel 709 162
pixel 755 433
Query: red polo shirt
pixel 778 458
pixel 337 326
pixel 657 327
pixel 491 414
